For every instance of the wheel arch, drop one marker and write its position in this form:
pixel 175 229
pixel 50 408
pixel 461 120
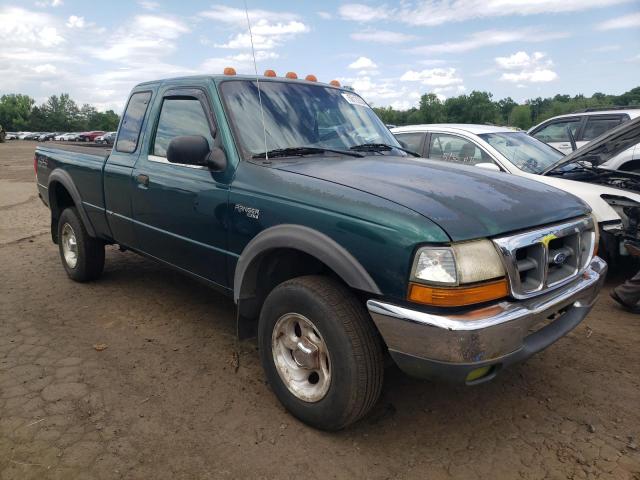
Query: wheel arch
pixel 283 252
pixel 63 194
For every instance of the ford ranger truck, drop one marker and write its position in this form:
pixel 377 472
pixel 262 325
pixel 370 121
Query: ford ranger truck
pixel 339 247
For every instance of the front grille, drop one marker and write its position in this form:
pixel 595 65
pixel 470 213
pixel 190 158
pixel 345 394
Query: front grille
pixel 545 258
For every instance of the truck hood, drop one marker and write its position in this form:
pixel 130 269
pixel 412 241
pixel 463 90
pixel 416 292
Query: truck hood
pixel 604 147
pixel 466 202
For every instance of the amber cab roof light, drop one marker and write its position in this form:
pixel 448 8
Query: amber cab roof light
pixel 229 71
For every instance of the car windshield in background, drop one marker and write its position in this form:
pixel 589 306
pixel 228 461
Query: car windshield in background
pixel 301 115
pixel 524 151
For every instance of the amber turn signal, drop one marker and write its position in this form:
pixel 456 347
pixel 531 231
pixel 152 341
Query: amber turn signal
pixel 311 78
pixel 458 296
pixel 269 73
pixel 229 71
pixel 335 83
pixel 292 75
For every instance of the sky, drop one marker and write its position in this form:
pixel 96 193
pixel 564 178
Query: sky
pixel 391 53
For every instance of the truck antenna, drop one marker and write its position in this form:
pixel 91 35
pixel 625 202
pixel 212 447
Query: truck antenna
pixel 255 67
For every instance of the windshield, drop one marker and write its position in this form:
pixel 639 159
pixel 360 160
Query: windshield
pixel 523 151
pixel 300 115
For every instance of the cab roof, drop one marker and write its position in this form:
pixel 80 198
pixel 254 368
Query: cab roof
pixel 220 77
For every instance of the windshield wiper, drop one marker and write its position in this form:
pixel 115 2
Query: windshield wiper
pixel 299 151
pixel 382 147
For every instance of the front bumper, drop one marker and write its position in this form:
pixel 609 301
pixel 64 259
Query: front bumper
pixel 449 347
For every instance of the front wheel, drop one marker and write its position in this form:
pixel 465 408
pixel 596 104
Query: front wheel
pixel 320 352
pixel 82 255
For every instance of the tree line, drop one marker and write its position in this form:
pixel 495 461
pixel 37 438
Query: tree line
pixel 479 107
pixel 60 113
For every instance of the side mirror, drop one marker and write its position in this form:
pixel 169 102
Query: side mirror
pixel 188 150
pixel 217 160
pixel 194 150
pixel 489 166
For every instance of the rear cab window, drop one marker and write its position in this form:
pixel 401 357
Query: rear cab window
pixel 132 119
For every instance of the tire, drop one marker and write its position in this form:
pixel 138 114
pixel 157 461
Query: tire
pixel 348 361
pixel 89 251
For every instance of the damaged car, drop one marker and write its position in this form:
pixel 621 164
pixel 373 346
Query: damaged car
pixel 608 192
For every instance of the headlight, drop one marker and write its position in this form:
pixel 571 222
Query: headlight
pixel 463 274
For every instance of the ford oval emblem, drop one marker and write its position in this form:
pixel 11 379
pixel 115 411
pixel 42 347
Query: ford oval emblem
pixel 559 258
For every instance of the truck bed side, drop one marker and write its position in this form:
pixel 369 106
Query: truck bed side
pixel 71 175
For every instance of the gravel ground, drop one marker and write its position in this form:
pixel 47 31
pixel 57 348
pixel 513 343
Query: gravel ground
pixel 139 375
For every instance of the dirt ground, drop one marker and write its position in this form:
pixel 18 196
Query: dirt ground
pixel 175 396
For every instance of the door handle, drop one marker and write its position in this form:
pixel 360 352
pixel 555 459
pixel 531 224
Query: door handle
pixel 143 180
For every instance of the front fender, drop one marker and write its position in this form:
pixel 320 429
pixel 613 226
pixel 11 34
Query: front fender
pixel 311 242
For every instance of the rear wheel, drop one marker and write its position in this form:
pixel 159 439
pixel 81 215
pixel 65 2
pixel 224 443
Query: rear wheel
pixel 82 255
pixel 320 352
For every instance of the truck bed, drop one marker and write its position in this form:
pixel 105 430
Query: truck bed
pixel 86 148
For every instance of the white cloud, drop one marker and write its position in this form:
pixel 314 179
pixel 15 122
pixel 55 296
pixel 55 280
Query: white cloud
pixel 438 12
pixel 270 29
pixel 22 27
pixel 433 77
pixel 382 36
pixel 626 21
pixel 385 91
pixel 363 63
pixel 147 37
pixel 488 38
pixel 149 5
pixel 49 3
pixel 325 15
pixel 75 22
pixel 524 68
pixel 359 12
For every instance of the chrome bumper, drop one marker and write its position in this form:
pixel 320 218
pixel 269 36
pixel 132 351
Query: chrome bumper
pixel 424 344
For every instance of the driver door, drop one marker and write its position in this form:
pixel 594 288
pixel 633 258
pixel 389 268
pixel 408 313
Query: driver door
pixel 180 210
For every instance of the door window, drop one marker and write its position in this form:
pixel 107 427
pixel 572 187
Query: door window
pixel 179 117
pixel 557 131
pixel 132 122
pixel 452 148
pixel 597 125
pixel 411 141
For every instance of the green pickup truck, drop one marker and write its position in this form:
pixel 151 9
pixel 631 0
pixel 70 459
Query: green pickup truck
pixel 339 247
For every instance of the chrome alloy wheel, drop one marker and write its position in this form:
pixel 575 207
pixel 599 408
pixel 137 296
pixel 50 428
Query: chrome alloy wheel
pixel 69 246
pixel 301 357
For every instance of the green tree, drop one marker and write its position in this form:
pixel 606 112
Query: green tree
pixel 15 111
pixel 520 116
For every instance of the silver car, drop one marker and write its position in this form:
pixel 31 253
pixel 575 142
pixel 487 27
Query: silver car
pixel 585 126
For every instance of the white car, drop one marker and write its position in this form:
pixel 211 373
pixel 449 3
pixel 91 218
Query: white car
pixel 60 137
pixel 502 149
pixel 586 126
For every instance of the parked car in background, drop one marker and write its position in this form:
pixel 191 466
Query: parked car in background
pixel 107 138
pixel 70 137
pixel 59 136
pixel 89 136
pixel 45 137
pixel 585 126
pixel 11 136
pixel 23 135
pixel 33 136
pixel 502 149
